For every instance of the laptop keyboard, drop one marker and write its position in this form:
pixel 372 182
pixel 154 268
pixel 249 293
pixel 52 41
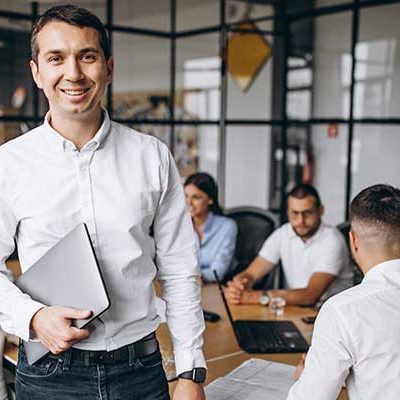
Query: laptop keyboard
pixel 262 336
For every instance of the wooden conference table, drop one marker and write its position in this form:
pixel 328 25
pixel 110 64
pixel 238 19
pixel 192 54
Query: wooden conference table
pixel 220 347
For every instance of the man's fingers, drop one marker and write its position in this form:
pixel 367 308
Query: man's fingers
pixel 233 297
pixel 74 313
pixel 63 343
pixel 240 283
pixel 79 334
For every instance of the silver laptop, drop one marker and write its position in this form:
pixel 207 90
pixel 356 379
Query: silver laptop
pixel 67 275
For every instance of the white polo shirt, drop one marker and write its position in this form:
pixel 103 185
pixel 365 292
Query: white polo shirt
pixel 356 340
pixel 325 251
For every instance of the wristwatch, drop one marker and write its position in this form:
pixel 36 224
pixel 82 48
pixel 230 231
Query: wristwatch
pixel 264 299
pixel 197 375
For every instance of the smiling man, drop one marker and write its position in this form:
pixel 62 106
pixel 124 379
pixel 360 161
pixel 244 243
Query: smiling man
pixel 81 167
pixel 314 257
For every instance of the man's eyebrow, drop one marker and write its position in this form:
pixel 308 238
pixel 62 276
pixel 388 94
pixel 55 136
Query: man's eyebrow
pixel 85 50
pixel 89 50
pixel 53 52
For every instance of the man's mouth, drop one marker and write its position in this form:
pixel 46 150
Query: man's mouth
pixel 74 92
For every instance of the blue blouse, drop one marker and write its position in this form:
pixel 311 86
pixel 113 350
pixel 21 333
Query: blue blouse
pixel 217 248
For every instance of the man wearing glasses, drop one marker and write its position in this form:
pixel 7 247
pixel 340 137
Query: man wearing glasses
pixel 314 257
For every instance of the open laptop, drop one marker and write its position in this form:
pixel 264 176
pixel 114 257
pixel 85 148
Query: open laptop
pixel 255 336
pixel 67 275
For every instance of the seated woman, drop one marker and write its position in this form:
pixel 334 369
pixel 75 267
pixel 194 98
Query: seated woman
pixel 216 233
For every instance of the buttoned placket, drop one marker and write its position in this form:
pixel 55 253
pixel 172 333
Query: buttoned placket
pixel 84 160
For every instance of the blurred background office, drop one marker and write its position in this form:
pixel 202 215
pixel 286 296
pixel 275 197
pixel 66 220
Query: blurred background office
pixel 260 94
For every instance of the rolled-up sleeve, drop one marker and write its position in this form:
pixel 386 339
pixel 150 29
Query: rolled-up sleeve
pixel 178 271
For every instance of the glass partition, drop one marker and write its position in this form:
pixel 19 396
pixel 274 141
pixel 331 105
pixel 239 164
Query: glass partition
pixel 15 77
pixel 141 83
pixel 377 91
pixel 375 156
pixel 197 78
pixel 144 14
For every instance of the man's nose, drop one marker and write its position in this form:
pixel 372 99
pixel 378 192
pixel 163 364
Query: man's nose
pixel 302 218
pixel 73 70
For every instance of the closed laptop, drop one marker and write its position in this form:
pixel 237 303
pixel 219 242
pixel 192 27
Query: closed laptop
pixel 67 275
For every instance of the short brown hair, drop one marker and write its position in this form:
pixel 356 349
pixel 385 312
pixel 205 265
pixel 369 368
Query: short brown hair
pixel 378 206
pixel 72 15
pixel 303 190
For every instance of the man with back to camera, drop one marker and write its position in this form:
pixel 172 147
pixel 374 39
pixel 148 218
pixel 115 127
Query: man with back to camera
pixel 314 257
pixel 81 167
pixel 356 337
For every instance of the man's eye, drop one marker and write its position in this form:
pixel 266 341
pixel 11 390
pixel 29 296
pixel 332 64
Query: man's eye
pixel 88 58
pixel 55 59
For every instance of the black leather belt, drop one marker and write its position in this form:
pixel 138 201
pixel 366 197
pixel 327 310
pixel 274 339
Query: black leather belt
pixel 143 347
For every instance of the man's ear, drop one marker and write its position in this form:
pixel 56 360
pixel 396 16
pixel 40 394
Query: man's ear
pixel 110 70
pixel 35 74
pixel 321 210
pixel 353 242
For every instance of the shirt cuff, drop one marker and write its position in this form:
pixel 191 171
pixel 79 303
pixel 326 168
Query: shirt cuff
pixel 26 309
pixel 186 360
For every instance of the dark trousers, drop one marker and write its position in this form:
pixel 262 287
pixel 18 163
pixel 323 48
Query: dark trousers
pixel 64 378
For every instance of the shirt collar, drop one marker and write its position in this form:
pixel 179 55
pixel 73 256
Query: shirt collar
pixel 58 143
pixel 314 237
pixel 383 269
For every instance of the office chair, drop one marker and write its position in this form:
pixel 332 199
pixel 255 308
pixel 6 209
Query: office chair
pixel 344 229
pixel 254 226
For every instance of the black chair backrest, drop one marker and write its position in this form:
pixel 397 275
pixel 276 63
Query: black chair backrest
pixel 344 229
pixel 254 226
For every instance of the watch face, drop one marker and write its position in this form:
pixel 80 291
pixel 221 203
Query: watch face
pixel 199 375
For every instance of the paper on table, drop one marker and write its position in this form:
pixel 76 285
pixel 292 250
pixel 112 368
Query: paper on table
pixel 253 380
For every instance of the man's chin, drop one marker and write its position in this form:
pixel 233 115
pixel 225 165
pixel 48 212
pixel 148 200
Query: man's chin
pixel 303 233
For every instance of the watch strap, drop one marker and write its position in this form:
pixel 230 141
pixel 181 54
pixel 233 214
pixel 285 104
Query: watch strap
pixel 197 375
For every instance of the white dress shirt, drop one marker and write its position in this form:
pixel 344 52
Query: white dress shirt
pixel 357 340
pixel 325 251
pixel 123 185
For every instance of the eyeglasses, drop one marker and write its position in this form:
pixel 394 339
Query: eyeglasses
pixel 304 214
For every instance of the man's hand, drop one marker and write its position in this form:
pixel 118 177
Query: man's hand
pixel 236 287
pixel 53 327
pixel 251 297
pixel 188 390
pixel 242 281
pixel 300 367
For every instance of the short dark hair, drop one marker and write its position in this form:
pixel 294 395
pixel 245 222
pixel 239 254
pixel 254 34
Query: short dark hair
pixel 206 184
pixel 303 190
pixel 72 15
pixel 378 206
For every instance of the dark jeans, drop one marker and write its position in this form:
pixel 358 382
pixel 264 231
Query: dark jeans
pixel 140 378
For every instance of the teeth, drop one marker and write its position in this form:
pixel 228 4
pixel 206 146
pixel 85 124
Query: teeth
pixel 74 92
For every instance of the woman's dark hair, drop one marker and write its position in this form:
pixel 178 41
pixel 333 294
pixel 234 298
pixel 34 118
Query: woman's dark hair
pixel 206 184
pixel 71 15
